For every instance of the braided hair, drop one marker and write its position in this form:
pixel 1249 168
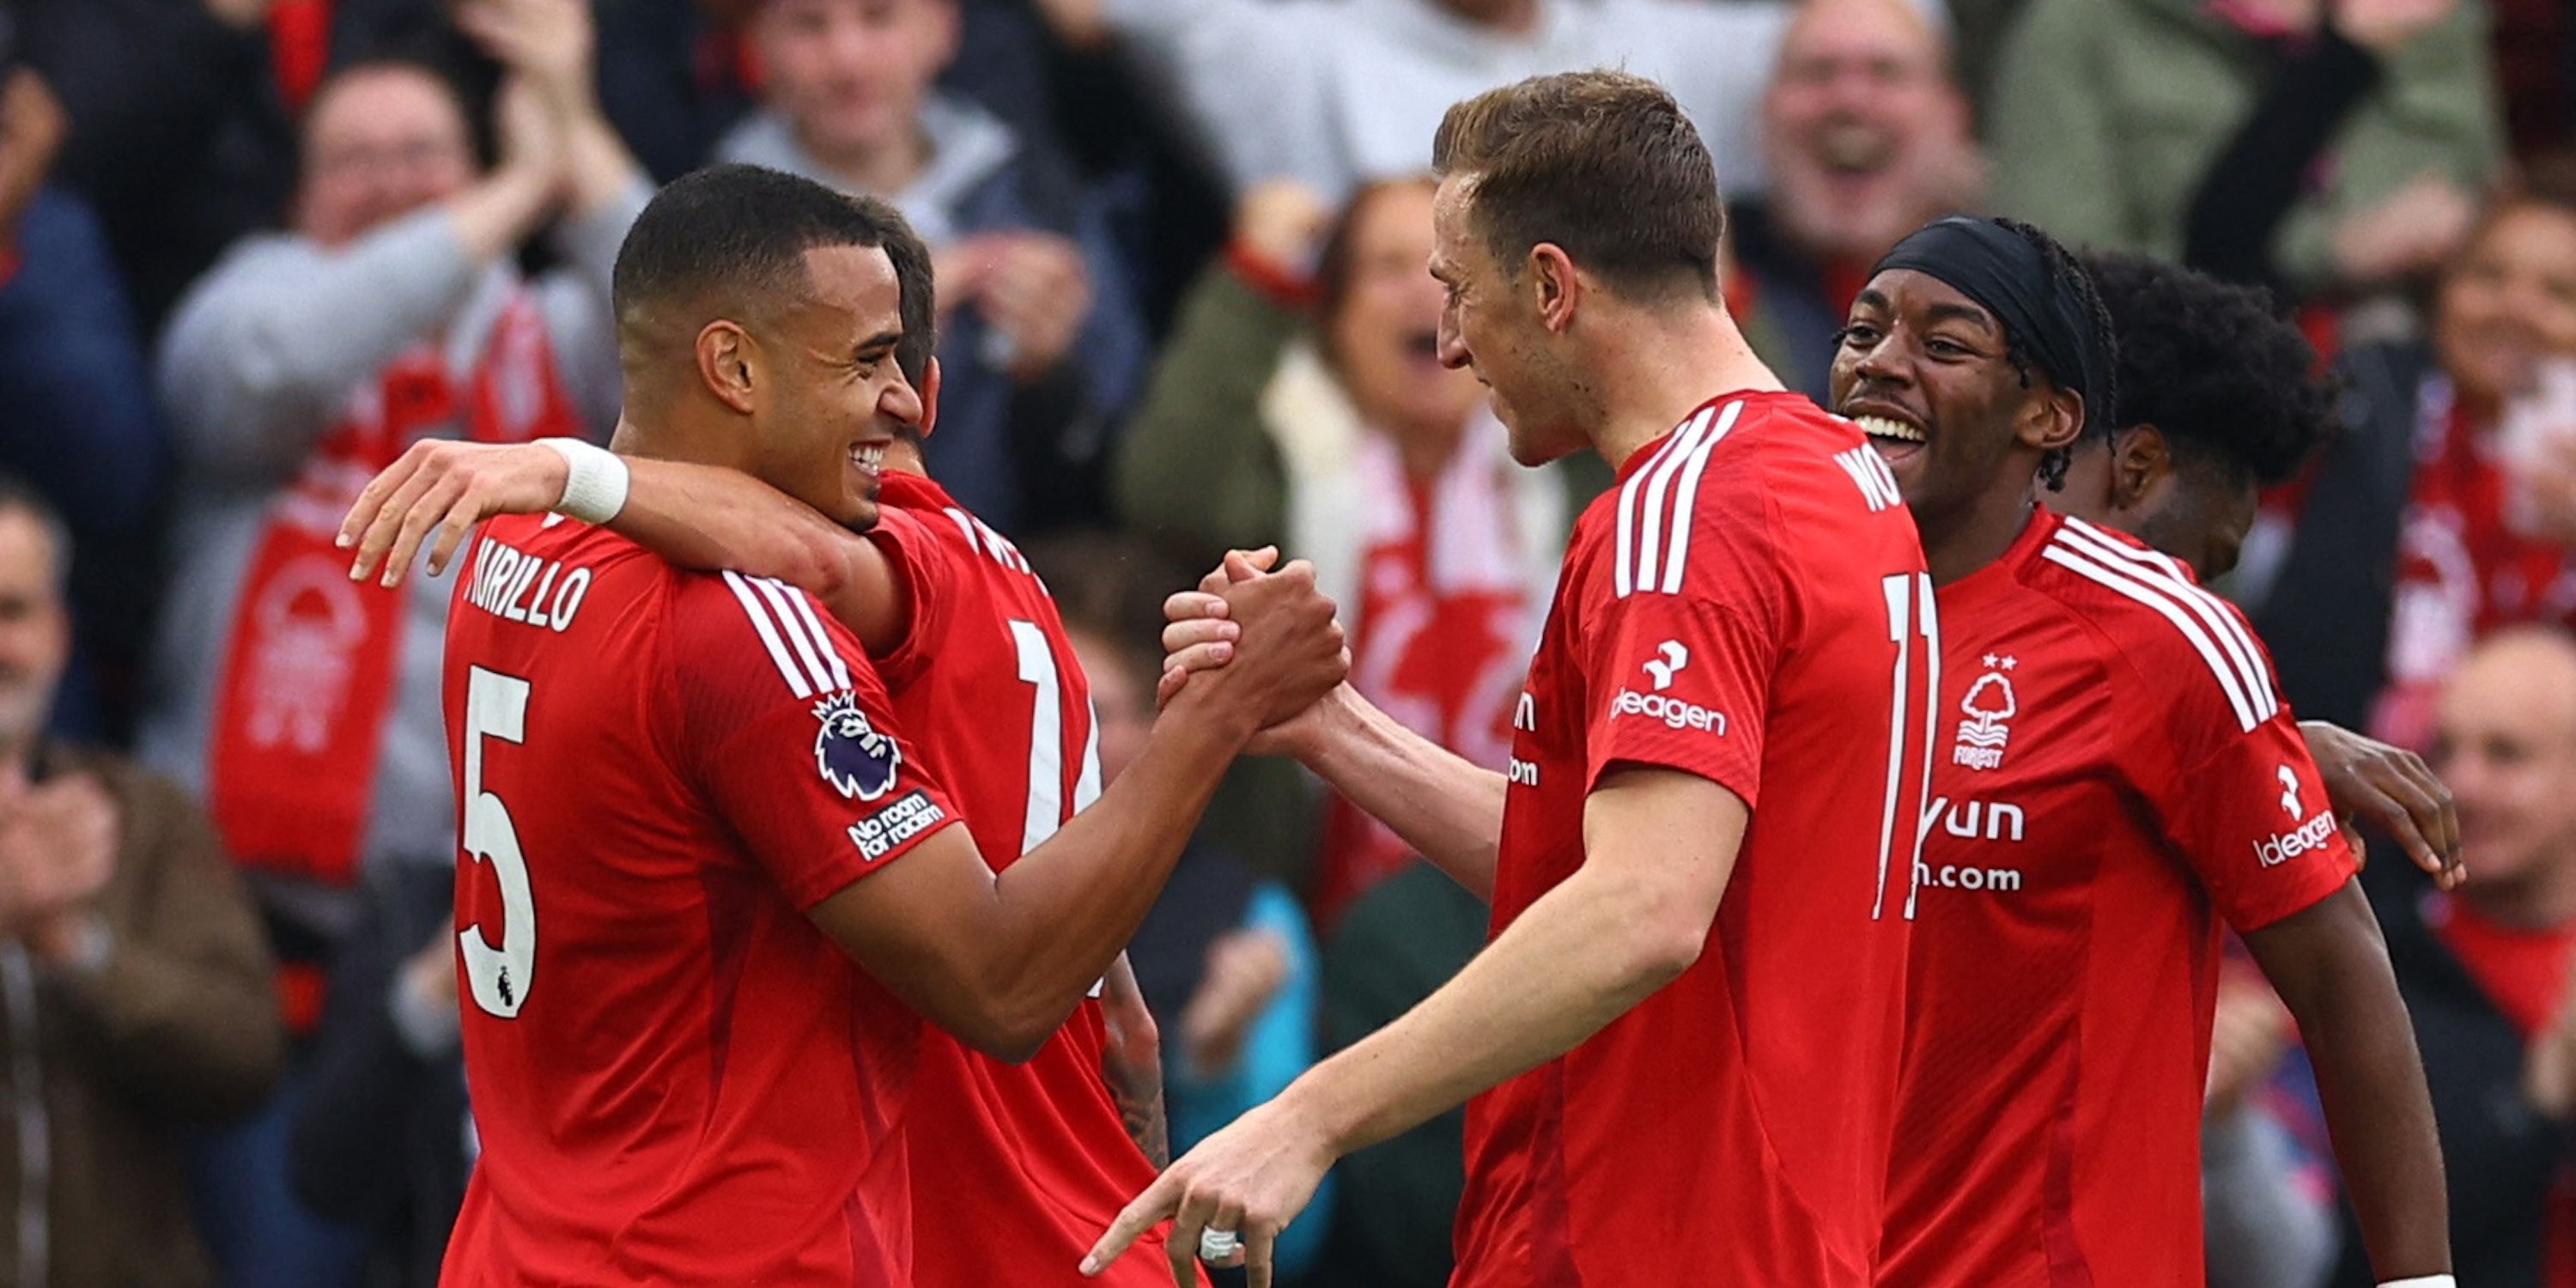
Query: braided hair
pixel 2063 263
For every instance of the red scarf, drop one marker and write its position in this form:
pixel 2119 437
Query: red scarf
pixel 308 679
pixel 2462 571
pixel 1441 649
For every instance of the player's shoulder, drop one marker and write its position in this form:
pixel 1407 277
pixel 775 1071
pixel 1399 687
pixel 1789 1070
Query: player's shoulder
pixel 759 631
pixel 2188 647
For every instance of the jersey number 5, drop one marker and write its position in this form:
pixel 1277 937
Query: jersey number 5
pixel 496 706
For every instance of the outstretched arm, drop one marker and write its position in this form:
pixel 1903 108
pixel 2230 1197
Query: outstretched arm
pixel 700 517
pixel 2331 969
pixel 1659 847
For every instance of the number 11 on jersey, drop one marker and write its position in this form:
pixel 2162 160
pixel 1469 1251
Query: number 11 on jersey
pixel 1911 622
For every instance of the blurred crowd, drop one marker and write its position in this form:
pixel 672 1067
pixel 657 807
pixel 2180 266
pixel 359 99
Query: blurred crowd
pixel 250 250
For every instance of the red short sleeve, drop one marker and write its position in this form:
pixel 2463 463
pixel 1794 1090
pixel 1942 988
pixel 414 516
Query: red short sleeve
pixel 1687 671
pixel 2252 819
pixel 787 728
pixel 923 564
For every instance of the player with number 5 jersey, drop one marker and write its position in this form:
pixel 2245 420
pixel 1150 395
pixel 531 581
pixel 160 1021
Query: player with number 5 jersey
pixel 709 888
pixel 1679 1052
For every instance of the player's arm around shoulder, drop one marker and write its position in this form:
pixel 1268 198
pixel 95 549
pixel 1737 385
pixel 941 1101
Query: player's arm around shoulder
pixel 699 517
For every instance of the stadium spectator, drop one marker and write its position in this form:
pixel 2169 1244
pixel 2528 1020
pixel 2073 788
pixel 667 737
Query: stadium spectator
pixel 305 709
pixel 2447 508
pixel 383 1141
pixel 2484 968
pixel 76 413
pixel 1225 959
pixel 1336 434
pixel 183 111
pixel 133 982
pixel 2107 113
pixel 1336 96
pixel 1397 943
pixel 1867 139
pixel 1041 347
pixel 2266 1223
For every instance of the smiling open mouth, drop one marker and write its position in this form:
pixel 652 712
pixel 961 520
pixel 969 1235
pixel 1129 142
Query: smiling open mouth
pixel 1895 440
pixel 868 457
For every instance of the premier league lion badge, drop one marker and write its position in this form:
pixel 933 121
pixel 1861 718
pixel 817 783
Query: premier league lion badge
pixel 855 759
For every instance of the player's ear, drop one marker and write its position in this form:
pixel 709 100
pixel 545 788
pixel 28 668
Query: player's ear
pixel 2052 420
pixel 727 364
pixel 2140 459
pixel 929 392
pixel 1555 288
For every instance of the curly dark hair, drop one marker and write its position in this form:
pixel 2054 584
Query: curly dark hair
pixel 2063 263
pixel 2214 366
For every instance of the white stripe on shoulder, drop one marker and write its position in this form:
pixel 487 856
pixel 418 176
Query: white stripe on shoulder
pixel 2221 619
pixel 1686 498
pixel 1654 520
pixel 768 631
pixel 782 604
pixel 2123 579
pixel 822 638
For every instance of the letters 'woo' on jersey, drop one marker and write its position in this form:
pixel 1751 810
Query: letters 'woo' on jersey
pixel 2116 771
pixel 1749 606
pixel 990 685
pixel 659 773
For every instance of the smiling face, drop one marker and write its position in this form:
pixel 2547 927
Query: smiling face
pixel 379 143
pixel 834 395
pixel 1384 328
pixel 1861 125
pixel 1926 373
pixel 1490 325
pixel 2509 302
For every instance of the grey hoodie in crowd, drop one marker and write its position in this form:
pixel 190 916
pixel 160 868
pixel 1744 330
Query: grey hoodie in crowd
pixel 1338 93
pixel 258 364
pixel 1021 456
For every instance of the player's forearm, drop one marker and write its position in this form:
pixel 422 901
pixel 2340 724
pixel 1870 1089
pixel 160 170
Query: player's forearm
pixel 1449 810
pixel 1131 1063
pixel 706 517
pixel 1578 958
pixel 2332 972
pixel 1065 911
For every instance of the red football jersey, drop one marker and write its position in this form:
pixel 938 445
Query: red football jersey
pixel 2120 773
pixel 1022 1166
pixel 1748 605
pixel 677 1078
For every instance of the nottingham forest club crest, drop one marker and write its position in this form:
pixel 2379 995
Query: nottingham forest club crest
pixel 853 757
pixel 1990 702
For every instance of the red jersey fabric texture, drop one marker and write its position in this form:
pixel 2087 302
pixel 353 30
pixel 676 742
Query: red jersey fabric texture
pixel 1017 1168
pixel 677 1078
pixel 2118 777
pixel 1749 605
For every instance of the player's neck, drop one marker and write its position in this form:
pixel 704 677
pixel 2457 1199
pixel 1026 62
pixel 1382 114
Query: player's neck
pixel 680 438
pixel 1666 363
pixel 903 456
pixel 2541 898
pixel 1960 542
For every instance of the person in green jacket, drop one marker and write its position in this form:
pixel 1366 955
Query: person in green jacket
pixel 2106 117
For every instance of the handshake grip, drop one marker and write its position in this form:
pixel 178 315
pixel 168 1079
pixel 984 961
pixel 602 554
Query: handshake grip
pixel 1291 651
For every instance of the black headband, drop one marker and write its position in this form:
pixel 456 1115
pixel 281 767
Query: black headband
pixel 2041 312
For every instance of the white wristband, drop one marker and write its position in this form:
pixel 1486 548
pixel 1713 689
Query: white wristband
pixel 2423 1281
pixel 594 482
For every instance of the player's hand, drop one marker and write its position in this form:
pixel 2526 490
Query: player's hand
pixel 2394 789
pixel 446 487
pixel 1201 636
pixel 1251 1178
pixel 1291 651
